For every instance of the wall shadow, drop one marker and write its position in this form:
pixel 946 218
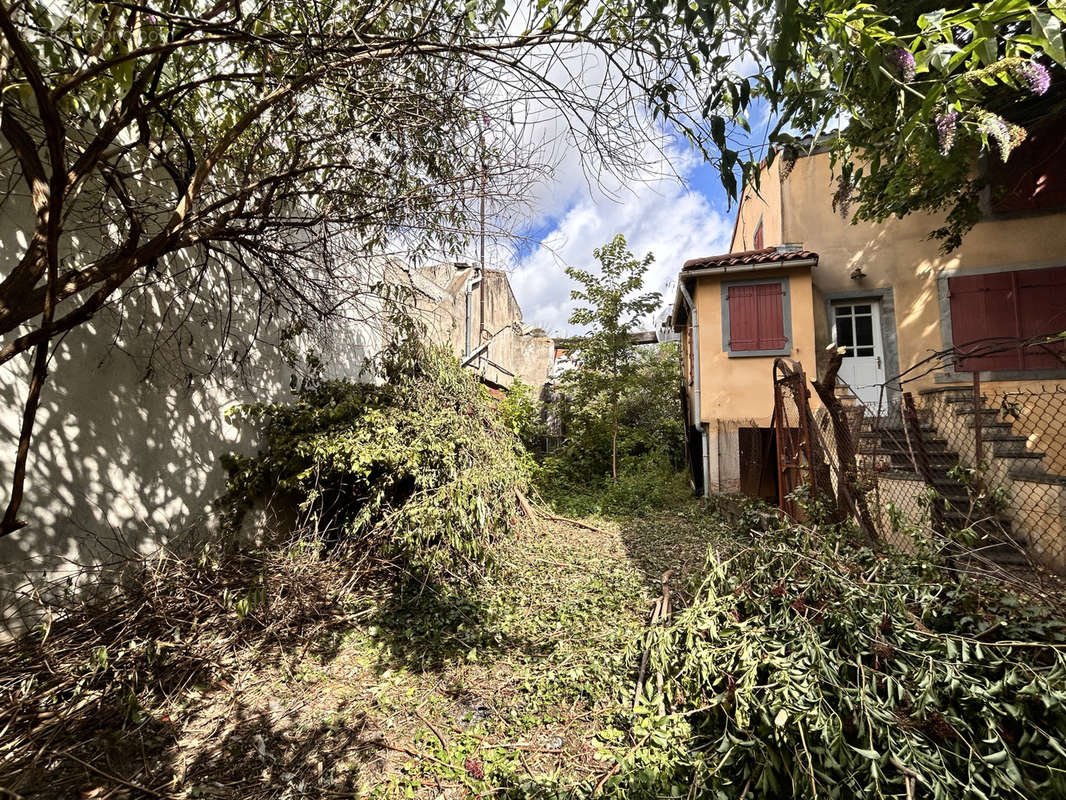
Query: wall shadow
pixel 131 427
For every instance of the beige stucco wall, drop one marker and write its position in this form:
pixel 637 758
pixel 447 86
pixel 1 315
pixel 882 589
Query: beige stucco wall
pixel 439 295
pixel 763 204
pixel 1038 513
pixel 132 426
pixel 741 389
pixel 899 254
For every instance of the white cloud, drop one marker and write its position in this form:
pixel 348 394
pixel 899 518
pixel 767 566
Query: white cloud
pixel 665 217
pixel 586 202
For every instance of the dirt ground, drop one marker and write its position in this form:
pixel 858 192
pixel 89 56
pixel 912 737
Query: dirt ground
pixel 521 682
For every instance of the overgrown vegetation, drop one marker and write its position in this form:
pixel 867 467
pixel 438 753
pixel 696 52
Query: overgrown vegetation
pixel 793 661
pixel 419 471
pixel 277 673
pixel 796 664
pixel 109 691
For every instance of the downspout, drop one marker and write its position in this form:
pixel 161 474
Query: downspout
pixel 466 347
pixel 470 284
pixel 693 343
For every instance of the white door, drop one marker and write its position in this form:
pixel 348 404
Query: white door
pixel 857 328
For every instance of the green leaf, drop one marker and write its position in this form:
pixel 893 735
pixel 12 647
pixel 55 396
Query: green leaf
pixel 1049 27
pixel 873 755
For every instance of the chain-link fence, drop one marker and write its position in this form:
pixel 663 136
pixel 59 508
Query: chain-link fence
pixel 980 470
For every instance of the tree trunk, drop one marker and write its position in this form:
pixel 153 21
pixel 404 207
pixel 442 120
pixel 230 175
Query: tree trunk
pixel 614 451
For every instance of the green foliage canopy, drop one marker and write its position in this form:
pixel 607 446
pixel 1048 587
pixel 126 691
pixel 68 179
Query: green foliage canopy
pixel 920 91
pixel 607 357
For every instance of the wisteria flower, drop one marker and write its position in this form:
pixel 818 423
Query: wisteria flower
pixel 945 129
pixel 902 61
pixel 1005 135
pixel 1035 76
pixel 996 130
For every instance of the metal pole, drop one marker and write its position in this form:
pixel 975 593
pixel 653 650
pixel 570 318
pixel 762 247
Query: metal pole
pixel 978 421
pixel 484 189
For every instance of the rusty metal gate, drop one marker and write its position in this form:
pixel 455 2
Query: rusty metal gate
pixel 791 423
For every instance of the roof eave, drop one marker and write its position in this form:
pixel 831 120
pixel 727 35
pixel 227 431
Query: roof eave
pixel 740 268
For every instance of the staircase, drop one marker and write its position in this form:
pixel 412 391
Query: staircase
pixel 883 445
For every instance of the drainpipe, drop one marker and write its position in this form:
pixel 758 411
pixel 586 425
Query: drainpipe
pixel 470 284
pixel 694 337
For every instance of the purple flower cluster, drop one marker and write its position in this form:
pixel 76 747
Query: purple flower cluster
pixel 902 61
pixel 1035 75
pixel 945 129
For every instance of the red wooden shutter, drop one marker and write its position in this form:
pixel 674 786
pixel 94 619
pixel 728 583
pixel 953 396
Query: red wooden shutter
pixel 1008 305
pixel 1042 312
pixel 982 308
pixel 757 240
pixel 743 318
pixel 771 316
pixel 756 317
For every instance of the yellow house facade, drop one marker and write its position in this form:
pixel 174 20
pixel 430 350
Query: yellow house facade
pixel 800 279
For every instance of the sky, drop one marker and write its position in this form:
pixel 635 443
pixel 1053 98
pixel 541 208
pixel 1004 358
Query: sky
pixel 683 216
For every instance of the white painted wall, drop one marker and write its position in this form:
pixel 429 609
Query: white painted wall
pixel 131 428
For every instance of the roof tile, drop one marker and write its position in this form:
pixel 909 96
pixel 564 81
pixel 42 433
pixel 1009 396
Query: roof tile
pixel 768 255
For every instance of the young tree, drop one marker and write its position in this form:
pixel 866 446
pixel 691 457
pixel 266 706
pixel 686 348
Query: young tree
pixel 613 308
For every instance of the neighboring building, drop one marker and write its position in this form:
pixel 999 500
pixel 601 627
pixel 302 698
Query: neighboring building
pixel 801 277
pixel 452 299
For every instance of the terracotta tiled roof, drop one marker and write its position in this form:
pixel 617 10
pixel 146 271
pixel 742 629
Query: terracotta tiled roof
pixel 768 255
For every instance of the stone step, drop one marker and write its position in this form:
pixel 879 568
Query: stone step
pixel 987 413
pixel 1007 554
pixel 1009 446
pixel 890 447
pixel 997 526
pixel 993 428
pixel 963 396
pixel 1012 454
pixel 944 459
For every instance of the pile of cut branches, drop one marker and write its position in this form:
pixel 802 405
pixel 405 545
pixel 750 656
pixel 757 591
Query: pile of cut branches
pixel 809 667
pixel 419 472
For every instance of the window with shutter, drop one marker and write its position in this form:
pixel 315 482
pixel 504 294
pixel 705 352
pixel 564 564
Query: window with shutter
pixel 756 318
pixel 757 239
pixel 1022 305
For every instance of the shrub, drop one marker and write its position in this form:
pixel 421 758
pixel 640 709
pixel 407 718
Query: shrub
pixel 419 472
pixel 645 483
pixel 650 434
pixel 807 667
pixel 523 413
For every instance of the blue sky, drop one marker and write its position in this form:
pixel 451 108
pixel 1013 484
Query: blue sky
pixel 674 218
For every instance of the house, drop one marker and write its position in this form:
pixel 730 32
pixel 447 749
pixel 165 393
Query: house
pixel 800 280
pixel 473 313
